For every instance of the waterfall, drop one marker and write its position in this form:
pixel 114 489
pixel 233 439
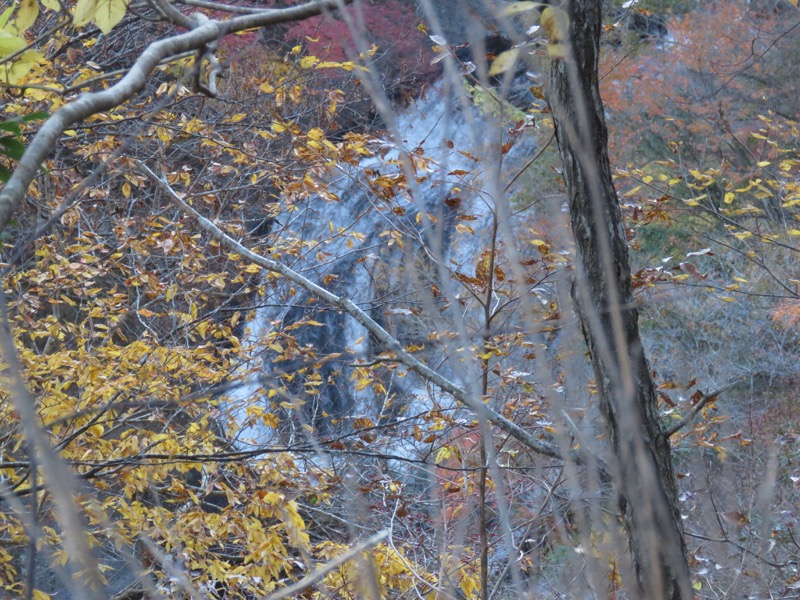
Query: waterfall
pixel 348 246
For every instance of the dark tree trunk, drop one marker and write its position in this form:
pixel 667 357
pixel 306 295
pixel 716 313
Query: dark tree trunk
pixel 642 469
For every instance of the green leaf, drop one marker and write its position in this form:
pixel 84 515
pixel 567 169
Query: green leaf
pixel 504 61
pixel 12 148
pixel 11 127
pixel 28 11
pixel 37 116
pixel 109 13
pixel 5 174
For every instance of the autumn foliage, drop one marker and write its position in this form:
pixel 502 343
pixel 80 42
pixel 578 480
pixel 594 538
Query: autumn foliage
pixel 222 454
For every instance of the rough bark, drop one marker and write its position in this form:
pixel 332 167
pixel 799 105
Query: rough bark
pixel 642 469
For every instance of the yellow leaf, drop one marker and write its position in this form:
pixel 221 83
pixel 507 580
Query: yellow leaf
pixel 557 50
pixel 470 586
pixel 794 232
pixel 84 12
pixel 28 11
pixel 51 4
pixel 202 328
pixel 20 67
pixel 632 192
pixel 295 526
pixel 555 21
pixel 695 201
pixel 316 134
pixel 504 61
pixel 517 8
pixel 443 454
pixel 729 197
pixel 109 13
pixel 10 44
pixel 461 228
pixel 308 61
pixel 6 16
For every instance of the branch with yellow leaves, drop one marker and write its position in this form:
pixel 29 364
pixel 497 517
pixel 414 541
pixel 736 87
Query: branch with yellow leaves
pixel 319 574
pixel 203 32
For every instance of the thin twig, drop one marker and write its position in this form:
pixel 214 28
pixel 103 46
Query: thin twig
pixel 670 431
pixel 745 549
pixel 531 161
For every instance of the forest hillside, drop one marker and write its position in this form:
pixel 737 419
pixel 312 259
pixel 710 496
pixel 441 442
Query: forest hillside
pixel 401 299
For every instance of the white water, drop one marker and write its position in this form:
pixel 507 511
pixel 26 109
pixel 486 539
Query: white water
pixel 351 237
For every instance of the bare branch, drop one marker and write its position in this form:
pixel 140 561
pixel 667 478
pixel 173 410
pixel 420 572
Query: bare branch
pixel 242 10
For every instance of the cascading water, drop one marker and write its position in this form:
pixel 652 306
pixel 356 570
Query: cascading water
pixel 361 246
